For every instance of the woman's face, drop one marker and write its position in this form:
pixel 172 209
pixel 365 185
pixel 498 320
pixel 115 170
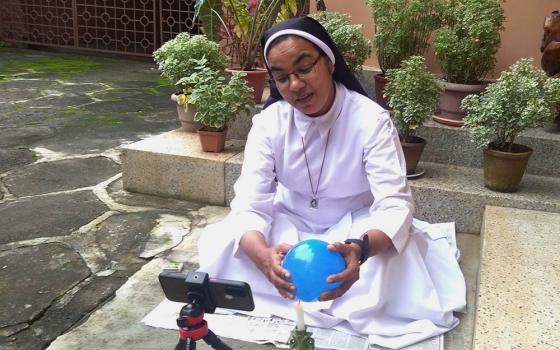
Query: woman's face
pixel 303 76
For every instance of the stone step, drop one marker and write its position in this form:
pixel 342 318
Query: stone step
pixel 172 165
pixel 454 193
pixel 518 304
pixel 451 145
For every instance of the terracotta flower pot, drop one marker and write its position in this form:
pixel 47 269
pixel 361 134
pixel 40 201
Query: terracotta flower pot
pixel 412 153
pixel 380 82
pixel 255 78
pixel 212 141
pixel 503 171
pixel 186 117
pixel 450 112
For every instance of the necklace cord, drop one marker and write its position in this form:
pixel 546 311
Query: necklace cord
pixel 314 193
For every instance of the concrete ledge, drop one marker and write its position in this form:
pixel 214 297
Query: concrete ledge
pixel 518 303
pixel 453 193
pixel 173 165
pixel 451 145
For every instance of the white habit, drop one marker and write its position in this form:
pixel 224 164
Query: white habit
pixel 404 295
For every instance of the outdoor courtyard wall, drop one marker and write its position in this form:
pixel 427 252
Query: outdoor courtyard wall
pixel 521 37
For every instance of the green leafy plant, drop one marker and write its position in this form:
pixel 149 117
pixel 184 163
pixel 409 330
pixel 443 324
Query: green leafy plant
pixel 243 23
pixel 178 57
pixel 402 28
pixel 218 101
pixel 523 97
pixel 467 43
pixel 413 95
pixel 348 37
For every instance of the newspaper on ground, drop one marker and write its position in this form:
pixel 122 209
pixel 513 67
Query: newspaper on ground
pixel 273 330
pixel 258 330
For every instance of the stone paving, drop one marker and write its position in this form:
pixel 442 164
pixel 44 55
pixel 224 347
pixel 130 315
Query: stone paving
pixel 79 257
pixel 69 236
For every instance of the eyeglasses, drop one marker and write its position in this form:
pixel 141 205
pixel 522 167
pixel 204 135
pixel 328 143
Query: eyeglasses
pixel 304 73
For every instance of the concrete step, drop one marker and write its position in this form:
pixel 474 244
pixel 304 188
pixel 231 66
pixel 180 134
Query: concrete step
pixel 454 193
pixel 450 145
pixel 518 304
pixel 172 165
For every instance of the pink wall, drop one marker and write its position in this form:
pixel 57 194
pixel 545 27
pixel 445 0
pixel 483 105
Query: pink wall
pixel 521 37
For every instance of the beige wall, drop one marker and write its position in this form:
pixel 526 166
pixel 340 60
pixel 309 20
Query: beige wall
pixel 521 37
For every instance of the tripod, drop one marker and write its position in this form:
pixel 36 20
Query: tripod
pixel 193 327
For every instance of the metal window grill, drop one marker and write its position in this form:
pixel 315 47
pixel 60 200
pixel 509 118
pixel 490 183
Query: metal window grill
pixel 132 27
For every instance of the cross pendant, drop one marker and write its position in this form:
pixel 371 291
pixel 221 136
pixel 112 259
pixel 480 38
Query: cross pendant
pixel 314 204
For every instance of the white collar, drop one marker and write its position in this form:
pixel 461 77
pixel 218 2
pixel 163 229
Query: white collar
pixel 322 123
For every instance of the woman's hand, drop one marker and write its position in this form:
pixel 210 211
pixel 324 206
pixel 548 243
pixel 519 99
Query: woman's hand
pixel 351 254
pixel 270 263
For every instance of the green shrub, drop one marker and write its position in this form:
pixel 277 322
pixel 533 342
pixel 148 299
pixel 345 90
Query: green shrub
pixel 402 28
pixel 178 57
pixel 521 98
pixel 413 95
pixel 348 37
pixel 467 43
pixel 218 100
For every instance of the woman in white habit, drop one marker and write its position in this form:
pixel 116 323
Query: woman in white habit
pixel 324 161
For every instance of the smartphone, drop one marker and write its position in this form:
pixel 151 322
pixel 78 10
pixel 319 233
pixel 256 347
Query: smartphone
pixel 227 294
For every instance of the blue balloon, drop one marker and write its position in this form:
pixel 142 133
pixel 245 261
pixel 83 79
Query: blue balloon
pixel 310 263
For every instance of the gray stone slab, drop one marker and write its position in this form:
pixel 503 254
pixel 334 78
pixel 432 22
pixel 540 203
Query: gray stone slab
pixel 451 145
pixel 121 196
pixel 60 175
pixel 47 216
pixel 11 158
pixel 33 277
pixel 66 312
pixel 518 304
pixel 460 338
pixel 25 115
pixel 116 243
pixel 98 133
pixel 26 135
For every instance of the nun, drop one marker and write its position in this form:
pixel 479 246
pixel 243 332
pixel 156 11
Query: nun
pixel 324 161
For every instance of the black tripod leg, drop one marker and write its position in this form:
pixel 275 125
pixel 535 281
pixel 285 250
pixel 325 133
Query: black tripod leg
pixel 215 342
pixel 186 344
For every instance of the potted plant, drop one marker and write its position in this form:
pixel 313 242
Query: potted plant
pixel 521 98
pixel 465 47
pixel 413 95
pixel 348 38
pixel 402 29
pixel 218 101
pixel 243 23
pixel 177 59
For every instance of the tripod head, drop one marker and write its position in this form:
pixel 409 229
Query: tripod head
pixel 203 294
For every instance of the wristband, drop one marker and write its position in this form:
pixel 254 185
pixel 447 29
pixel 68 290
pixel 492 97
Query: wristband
pixel 364 246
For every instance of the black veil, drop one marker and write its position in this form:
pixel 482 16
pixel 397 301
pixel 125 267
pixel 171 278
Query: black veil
pixel 342 73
